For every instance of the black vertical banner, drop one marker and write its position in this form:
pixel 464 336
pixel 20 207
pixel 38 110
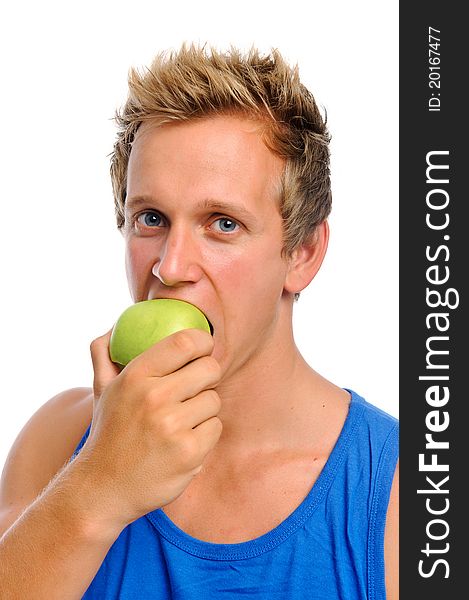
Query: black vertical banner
pixel 434 268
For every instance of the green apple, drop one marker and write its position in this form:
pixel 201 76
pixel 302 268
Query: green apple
pixel 144 323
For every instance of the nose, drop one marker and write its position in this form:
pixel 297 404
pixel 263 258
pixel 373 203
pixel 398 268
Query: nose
pixel 179 260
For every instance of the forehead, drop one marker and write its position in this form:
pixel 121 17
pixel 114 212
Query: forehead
pixel 224 155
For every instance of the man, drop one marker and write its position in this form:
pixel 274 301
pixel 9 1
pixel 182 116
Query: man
pixel 219 466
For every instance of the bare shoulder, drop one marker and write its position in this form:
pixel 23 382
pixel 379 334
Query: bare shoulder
pixel 41 449
pixel 391 541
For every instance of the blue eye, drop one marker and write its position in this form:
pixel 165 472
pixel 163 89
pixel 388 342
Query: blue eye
pixel 150 219
pixel 226 225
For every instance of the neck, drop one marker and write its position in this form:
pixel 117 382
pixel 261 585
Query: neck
pixel 275 401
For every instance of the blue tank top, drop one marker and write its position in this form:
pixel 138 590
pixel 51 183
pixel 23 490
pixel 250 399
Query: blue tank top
pixel 331 547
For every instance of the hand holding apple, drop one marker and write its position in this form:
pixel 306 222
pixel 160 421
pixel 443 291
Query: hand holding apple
pixel 153 423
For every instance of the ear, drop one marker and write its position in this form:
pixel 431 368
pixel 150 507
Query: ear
pixel 306 260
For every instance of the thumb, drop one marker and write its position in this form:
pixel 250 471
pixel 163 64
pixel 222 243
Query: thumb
pixel 103 367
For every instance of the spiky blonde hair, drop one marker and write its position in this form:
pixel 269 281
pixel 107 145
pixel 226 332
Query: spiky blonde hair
pixel 195 82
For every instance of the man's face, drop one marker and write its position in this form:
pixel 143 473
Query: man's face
pixel 202 225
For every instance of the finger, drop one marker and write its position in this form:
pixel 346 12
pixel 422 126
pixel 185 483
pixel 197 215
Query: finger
pixel 103 367
pixel 207 434
pixel 198 409
pixel 201 374
pixel 173 352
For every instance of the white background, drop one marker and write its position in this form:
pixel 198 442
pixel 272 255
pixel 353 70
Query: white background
pixel 63 72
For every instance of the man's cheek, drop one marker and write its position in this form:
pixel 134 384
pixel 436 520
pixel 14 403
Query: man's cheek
pixel 138 266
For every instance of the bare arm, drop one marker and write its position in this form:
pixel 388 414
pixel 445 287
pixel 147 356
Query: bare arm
pixel 55 547
pixel 153 425
pixel 44 528
pixel 391 541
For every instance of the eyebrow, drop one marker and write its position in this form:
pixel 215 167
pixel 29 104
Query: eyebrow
pixel 136 201
pixel 208 204
pixel 225 207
